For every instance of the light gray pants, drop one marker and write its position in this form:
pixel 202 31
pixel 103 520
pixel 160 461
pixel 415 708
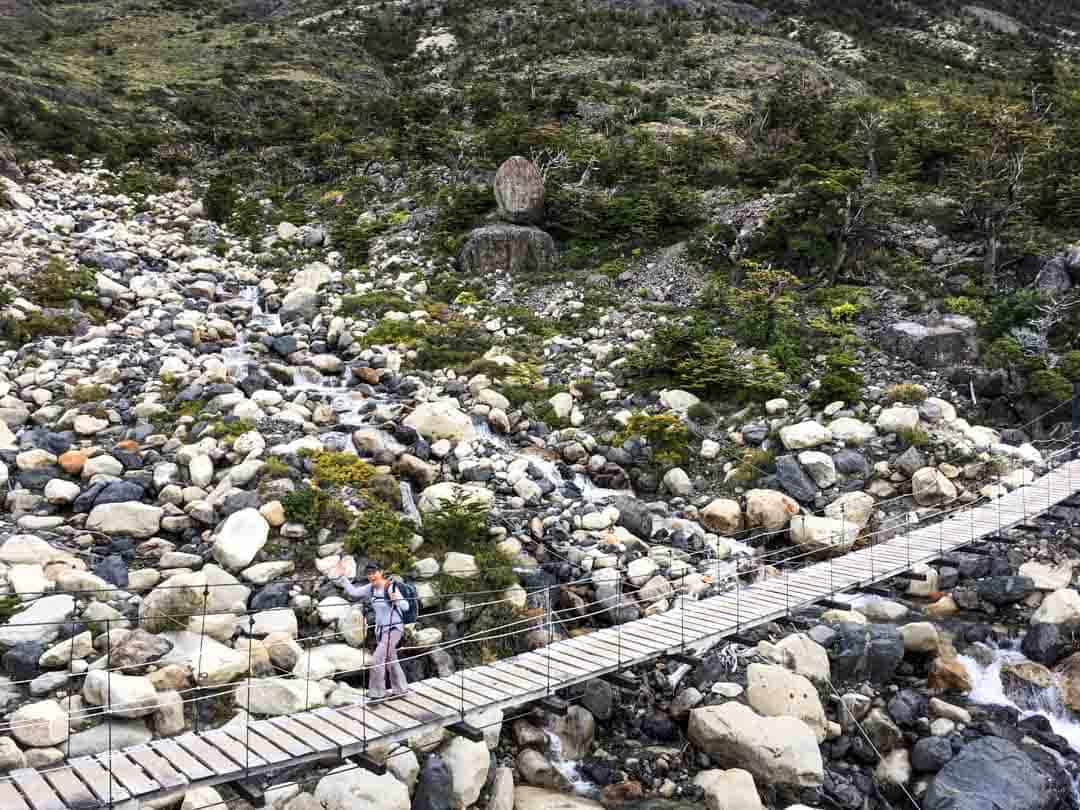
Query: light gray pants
pixel 386 657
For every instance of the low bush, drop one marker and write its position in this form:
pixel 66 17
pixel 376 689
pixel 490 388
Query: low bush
pixel 378 533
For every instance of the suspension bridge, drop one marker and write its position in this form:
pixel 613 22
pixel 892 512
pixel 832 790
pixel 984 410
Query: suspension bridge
pixel 239 751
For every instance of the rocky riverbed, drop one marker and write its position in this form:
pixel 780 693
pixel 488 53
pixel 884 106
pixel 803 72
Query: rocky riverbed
pixel 160 575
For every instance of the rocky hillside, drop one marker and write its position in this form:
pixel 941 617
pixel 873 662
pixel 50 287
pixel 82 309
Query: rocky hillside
pixel 565 313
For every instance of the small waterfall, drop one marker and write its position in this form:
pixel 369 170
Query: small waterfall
pixel 408 505
pixel 990 690
pixel 568 768
pixel 488 436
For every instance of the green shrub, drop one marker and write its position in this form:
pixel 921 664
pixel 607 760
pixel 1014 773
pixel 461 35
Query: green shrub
pixel 1069 366
pixel 1049 385
pixel 316 509
pixel 665 433
pixel 35 325
pixel 1005 352
pixel 454 345
pixel 220 198
pixel 971 307
pixel 274 468
pixel 459 524
pixel 229 428
pixel 57 284
pixel 701 412
pixel 392 333
pixel 840 382
pixel 374 304
pixel 378 533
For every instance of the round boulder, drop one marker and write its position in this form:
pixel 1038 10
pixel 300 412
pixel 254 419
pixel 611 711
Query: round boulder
pixel 519 191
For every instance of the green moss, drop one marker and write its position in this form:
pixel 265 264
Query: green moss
pixel 841 383
pixel 374 304
pixel 228 428
pixel 454 345
pixel 907 393
pixel 89 393
pixel 274 468
pixel 913 437
pixel 392 333
pixel 340 469
pixel 35 325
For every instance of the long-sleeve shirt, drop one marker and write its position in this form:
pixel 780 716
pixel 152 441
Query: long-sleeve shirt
pixel 386 615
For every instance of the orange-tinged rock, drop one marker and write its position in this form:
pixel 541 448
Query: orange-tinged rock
pixel 72 461
pixel 949 673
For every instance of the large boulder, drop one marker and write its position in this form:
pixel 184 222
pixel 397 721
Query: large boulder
pixel 775 750
pixel 240 538
pixel 897 418
pixel 441 419
pixel 769 509
pixel 1060 607
pixel 778 692
pixel 852 507
pixel 41 622
pixel 127 696
pixel 813 533
pixel 133 519
pixel 519 191
pixel 930 487
pixel 799 653
pixel 468 763
pixel 279 696
pixel 950 342
pixel 723 516
pixel 729 790
pixel 40 724
pixel 352 788
pixel 508 248
pixel 990 772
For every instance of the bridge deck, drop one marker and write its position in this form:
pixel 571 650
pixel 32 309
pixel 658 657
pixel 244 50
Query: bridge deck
pixel 240 751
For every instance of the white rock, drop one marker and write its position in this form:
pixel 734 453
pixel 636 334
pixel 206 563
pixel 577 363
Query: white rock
pixel 776 750
pixel 122 695
pixel 679 401
pixel 893 420
pixel 352 788
pixel 442 419
pixel 40 622
pixel 774 691
pixel 930 488
pixel 729 790
pixel 811 533
pixel 134 519
pixel 279 696
pixel 851 431
pixel 240 537
pixel 468 763
pixel 805 435
pixel 819 466
pixel 40 724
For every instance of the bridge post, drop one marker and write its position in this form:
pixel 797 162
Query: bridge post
pixel 1076 420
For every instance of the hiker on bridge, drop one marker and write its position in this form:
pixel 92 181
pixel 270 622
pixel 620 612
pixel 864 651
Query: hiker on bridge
pixel 391 609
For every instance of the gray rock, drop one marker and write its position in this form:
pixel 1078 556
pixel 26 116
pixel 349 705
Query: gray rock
pixel 100 738
pixel 508 248
pixel 794 480
pixel 934 346
pixel 990 772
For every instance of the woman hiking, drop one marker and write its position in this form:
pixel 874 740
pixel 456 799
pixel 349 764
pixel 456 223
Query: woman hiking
pixel 389 606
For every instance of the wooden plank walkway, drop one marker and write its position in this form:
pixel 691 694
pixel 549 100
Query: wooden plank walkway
pixel 263 746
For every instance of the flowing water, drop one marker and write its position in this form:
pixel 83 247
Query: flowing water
pixel 568 768
pixel 990 690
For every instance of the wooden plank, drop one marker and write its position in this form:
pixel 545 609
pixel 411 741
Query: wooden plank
pixel 128 773
pixel 252 741
pixel 208 755
pixel 420 697
pixel 103 784
pixel 593 661
pixel 160 770
pixel 36 790
pixel 578 651
pixel 386 711
pixel 417 714
pixel 71 790
pixel 449 693
pixel 308 736
pixel 11 799
pixel 613 637
pixel 181 760
pixel 234 750
pixel 363 715
pixel 324 729
pixel 347 723
pixel 435 698
pixel 286 742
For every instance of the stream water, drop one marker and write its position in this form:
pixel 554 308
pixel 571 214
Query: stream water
pixel 568 769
